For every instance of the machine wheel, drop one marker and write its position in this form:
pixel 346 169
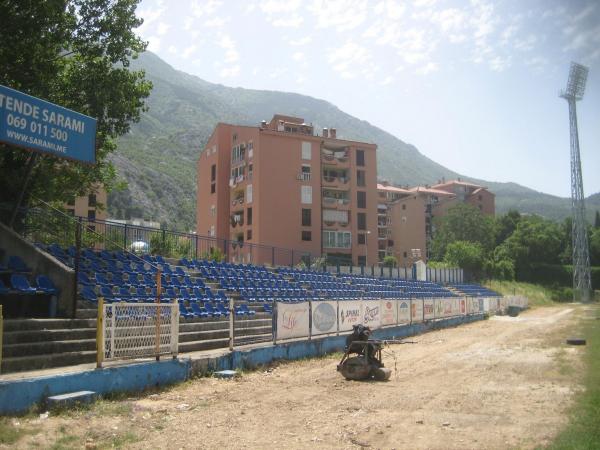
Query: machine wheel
pixel 382 373
pixel 356 368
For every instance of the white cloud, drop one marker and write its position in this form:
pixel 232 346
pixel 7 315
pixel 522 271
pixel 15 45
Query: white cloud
pixel 428 68
pixel 391 9
pixel 162 28
pixel 301 41
pixel 293 21
pixel 352 59
pixel 298 56
pixel 154 44
pixel 228 44
pixel 150 15
pixel 216 22
pixel 188 51
pixel 499 64
pixel 340 15
pixel 230 71
pixel 526 44
pixel 172 49
pixel 188 23
pixel 202 7
pixel 282 13
pixel 387 80
pixel 449 19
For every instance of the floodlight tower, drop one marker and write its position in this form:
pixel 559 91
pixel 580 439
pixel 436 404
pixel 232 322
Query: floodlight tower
pixel 582 284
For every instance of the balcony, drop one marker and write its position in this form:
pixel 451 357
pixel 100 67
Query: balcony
pixel 331 180
pixel 303 176
pixel 335 157
pixel 236 219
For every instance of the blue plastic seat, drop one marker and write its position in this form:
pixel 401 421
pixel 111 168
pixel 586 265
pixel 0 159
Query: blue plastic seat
pixel 89 294
pixel 46 285
pixel 20 284
pixel 183 311
pixel 16 264
pixel 199 312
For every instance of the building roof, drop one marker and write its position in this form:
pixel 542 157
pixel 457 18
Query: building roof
pixel 383 187
pixel 432 191
pixel 457 183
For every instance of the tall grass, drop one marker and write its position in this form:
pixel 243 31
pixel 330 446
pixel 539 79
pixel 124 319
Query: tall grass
pixel 537 295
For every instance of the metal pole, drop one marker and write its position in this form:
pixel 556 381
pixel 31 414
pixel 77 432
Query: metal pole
pixel 231 324
pixel 28 171
pixel 78 226
pixel 158 292
pixel 1 335
pixel 100 334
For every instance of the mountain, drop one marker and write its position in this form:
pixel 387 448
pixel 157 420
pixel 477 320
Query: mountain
pixel 158 157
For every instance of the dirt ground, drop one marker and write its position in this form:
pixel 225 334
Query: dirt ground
pixel 504 382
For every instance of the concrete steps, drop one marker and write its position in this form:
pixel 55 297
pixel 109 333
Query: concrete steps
pixel 37 362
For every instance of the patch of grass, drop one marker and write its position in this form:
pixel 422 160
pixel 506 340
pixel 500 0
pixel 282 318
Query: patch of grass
pixel 66 442
pixel 583 430
pixel 10 433
pixel 120 440
pixel 113 408
pixel 538 295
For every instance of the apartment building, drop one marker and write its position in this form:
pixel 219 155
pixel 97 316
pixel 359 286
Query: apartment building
pixel 88 205
pixel 279 184
pixel 406 216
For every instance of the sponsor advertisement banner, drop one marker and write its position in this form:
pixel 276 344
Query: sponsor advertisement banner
pixel 455 302
pixel 428 312
pixel 463 306
pixel 349 314
pixel 324 317
pixel 292 320
pixel 404 311
pixel 416 311
pixel 481 305
pixel 371 314
pixel 389 312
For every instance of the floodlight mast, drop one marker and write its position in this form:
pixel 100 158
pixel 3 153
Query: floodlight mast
pixel 582 283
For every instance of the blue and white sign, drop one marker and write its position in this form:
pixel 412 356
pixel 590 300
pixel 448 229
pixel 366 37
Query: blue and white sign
pixel 38 125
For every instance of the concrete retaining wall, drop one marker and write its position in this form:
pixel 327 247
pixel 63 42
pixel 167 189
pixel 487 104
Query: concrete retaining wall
pixel 42 263
pixel 17 396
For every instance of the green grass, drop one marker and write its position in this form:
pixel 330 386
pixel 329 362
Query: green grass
pixel 10 433
pixel 538 295
pixel 583 430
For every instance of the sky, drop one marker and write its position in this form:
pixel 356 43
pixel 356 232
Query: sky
pixel 472 84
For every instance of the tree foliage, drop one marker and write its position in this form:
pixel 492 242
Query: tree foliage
pixel 75 53
pixel 466 223
pixel 468 255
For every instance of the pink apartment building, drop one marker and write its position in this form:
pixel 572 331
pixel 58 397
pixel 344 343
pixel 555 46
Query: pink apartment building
pixel 278 184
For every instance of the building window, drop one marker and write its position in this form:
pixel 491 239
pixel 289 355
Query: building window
pixel 404 254
pixel 306 236
pixel 361 199
pixel 362 238
pixel 249 193
pixel 337 239
pixel 361 180
pixel 234 137
pixel 249 216
pixel 250 171
pixel 213 188
pixel 71 201
pixel 480 197
pixel 403 206
pixel 213 210
pixel 92 214
pixel 361 221
pixel 92 200
pixel 306 195
pixel 238 153
pixel 248 235
pixel 213 173
pixel 306 217
pixel 306 150
pixel 362 260
pixel 250 149
pixel 360 157
pixel 212 230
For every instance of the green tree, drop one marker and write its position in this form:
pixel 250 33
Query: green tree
pixel 467 255
pixel 390 261
pixel 506 225
pixel 595 247
pixel 74 53
pixel 463 223
pixel 597 220
pixel 535 240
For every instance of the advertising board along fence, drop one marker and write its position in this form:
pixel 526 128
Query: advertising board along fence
pixel 321 317
pixel 137 330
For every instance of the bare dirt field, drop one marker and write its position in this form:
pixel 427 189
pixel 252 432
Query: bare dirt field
pixel 504 382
